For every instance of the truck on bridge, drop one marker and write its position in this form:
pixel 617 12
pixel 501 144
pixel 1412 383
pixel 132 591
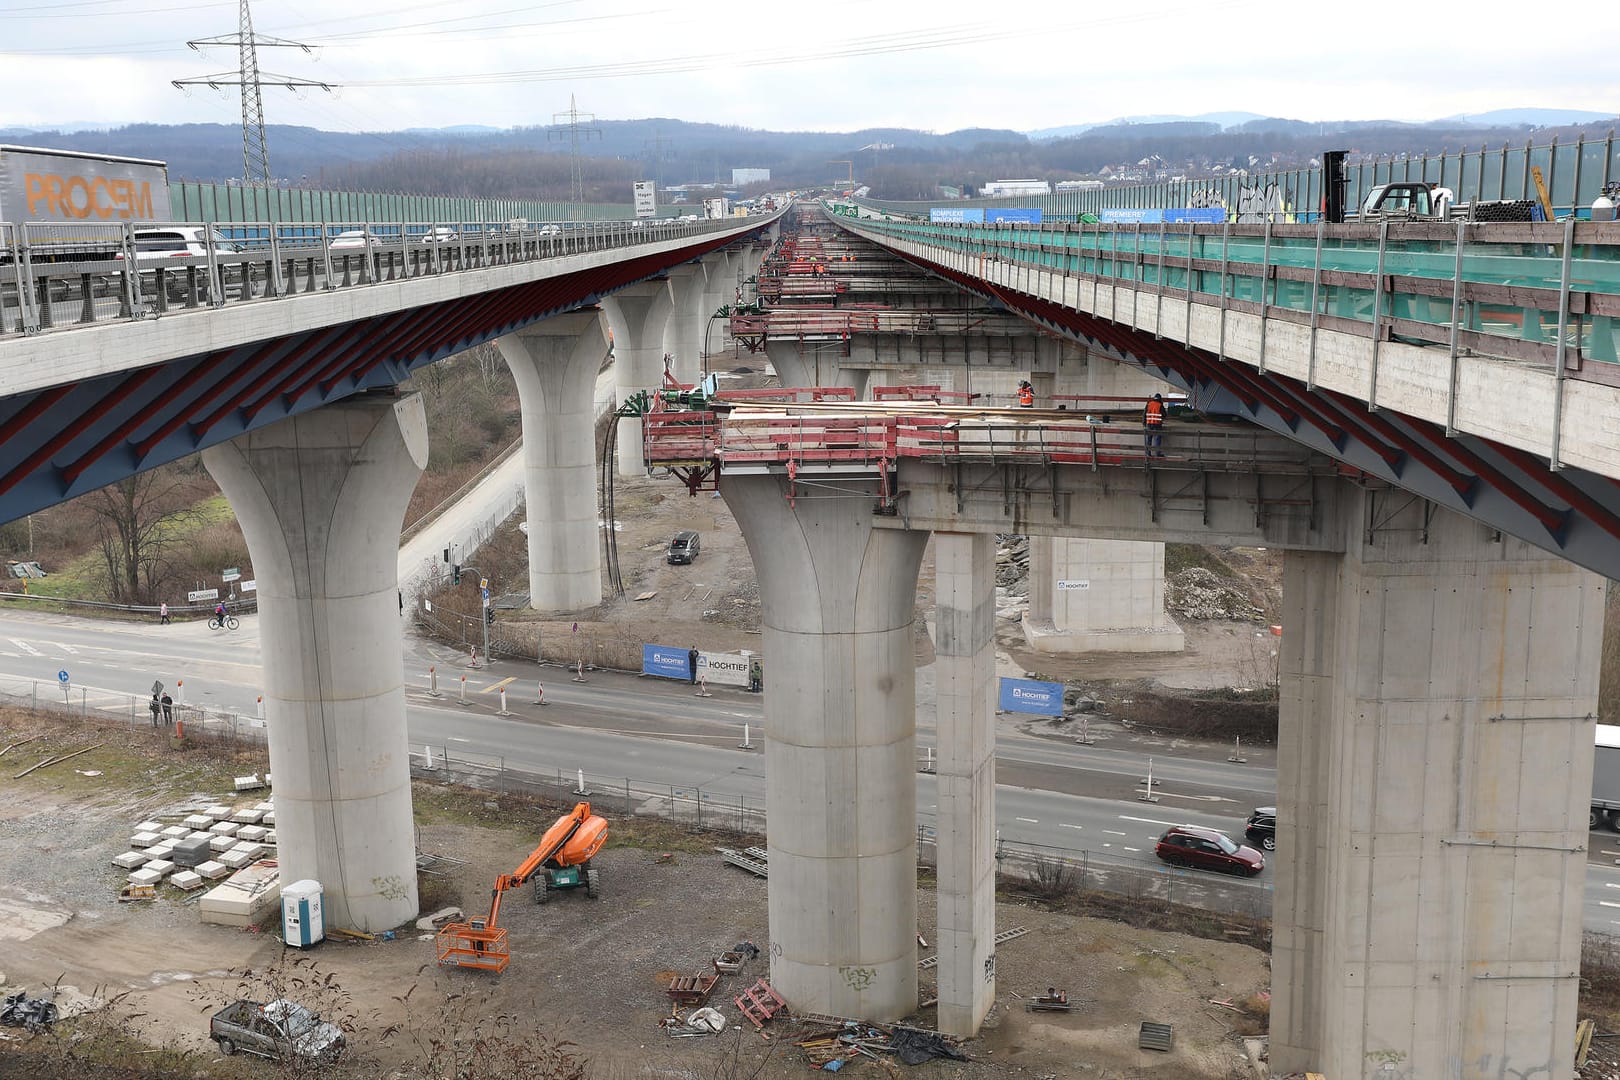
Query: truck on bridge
pixel 37 184
pixel 1606 778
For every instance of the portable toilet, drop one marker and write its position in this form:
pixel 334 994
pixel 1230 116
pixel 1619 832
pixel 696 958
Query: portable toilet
pixel 301 922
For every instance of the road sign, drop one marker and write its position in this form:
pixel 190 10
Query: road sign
pixel 157 687
pixel 645 193
pixel 201 594
pixel 250 585
pixel 233 574
pixel 486 597
pixel 62 676
pixel 483 583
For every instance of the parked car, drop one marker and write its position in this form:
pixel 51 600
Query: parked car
pixel 684 547
pixel 351 239
pixel 439 234
pixel 1207 849
pixel 281 1030
pixel 1261 830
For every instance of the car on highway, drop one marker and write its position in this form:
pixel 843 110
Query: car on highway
pixel 550 230
pixel 438 234
pixel 351 239
pixel 1207 849
pixel 1261 828
pixel 183 241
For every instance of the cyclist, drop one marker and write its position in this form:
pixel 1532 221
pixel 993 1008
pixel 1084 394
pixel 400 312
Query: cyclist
pixel 219 613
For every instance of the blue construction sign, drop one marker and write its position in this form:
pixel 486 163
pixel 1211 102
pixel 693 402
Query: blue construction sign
pixel 666 662
pixel 1029 696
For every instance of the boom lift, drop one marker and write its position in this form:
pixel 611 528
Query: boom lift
pixel 564 853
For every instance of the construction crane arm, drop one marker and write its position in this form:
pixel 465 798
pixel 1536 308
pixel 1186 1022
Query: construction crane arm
pixel 556 838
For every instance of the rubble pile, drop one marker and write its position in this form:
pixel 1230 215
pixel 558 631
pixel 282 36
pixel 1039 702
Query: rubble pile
pixel 1012 564
pixel 1197 593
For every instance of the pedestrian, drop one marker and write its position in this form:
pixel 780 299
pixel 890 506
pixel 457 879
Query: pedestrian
pixel 163 613
pixel 168 710
pixel 157 707
pixel 1026 395
pixel 401 601
pixel 1153 427
pixel 756 676
pixel 691 666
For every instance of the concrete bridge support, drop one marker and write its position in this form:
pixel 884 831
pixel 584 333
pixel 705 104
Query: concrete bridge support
pixel 321 497
pixel 1096 595
pixel 815 363
pixel 1439 684
pixel 837 599
pixel 637 314
pixel 683 333
pixel 964 668
pixel 555 363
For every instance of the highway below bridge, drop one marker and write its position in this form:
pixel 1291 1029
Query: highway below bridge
pixel 1053 795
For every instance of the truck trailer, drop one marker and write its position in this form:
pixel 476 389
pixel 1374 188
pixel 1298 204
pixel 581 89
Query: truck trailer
pixel 89 197
pixel 1606 778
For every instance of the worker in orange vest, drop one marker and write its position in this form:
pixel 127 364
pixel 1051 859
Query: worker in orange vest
pixel 1026 395
pixel 1153 426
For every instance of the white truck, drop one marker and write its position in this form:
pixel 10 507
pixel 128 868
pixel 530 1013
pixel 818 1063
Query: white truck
pixel 64 185
pixel 715 208
pixel 1606 778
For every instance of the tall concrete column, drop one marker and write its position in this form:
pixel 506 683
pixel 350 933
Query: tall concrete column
pixel 1097 595
pixel 555 363
pixel 964 671
pixel 320 498
pixel 837 600
pixel 721 288
pixel 1455 757
pixel 637 314
pixel 683 333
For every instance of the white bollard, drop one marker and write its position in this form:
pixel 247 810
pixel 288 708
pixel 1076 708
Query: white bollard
pixel 473 651
pixel 433 682
pixel 261 706
pixel 1148 795
pixel 503 711
pixel 539 694
pixel 703 688
pixel 1237 750
pixel 180 691
pixel 579 672
pixel 427 755
pixel 581 789
pixel 463 700
pixel 745 744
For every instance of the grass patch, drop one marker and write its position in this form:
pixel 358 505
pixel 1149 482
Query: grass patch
pixel 1179 557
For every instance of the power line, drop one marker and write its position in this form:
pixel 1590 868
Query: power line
pixel 255 152
pixel 575 132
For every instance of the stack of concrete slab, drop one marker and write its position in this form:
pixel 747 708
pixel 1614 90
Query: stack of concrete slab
pixel 150 826
pixel 224 828
pixel 247 816
pixel 222 843
pixel 245 899
pixel 161 850
pixel 212 870
pixel 218 811
pixel 131 860
pixel 175 832
pixel 240 855
pixel 189 853
pixel 199 821
pixel 186 879
pixel 144 838
pixel 144 876
pixel 254 833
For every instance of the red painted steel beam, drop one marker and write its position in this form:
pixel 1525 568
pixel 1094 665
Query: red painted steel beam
pixel 33 410
pixel 175 422
pixel 78 427
pixel 1421 452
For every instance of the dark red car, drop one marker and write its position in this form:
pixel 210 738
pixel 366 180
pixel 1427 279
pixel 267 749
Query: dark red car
pixel 1208 849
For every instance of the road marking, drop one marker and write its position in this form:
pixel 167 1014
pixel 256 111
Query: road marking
pixel 65 647
pixel 1111 832
pixel 1608 903
pixel 25 647
pixel 1607 851
pixel 492 687
pixel 1066 825
pixel 1032 821
pixel 1135 849
pixel 1611 884
pixel 1147 820
pixel 456 738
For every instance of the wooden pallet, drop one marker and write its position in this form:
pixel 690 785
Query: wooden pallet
pixel 691 989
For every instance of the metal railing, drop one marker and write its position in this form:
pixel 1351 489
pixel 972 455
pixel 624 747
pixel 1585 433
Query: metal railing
pixel 62 275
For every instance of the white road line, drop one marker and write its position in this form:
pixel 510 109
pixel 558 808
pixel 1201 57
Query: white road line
pixel 1607 851
pixel 25 647
pixel 1147 820
pixel 1611 884
pixel 1032 821
pixel 1608 903
pixel 1135 849
pixel 65 647
pixel 1066 825
pixel 456 738
pixel 1112 832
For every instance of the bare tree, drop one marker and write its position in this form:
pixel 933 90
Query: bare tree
pixel 137 523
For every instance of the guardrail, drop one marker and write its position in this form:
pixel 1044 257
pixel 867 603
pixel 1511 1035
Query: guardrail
pixel 1548 293
pixel 60 275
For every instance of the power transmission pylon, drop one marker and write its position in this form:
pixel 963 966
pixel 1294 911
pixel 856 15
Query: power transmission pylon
pixel 576 131
pixel 656 148
pixel 255 153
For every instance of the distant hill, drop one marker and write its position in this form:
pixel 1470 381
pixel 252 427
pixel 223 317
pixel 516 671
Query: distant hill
pixel 1534 117
pixel 1220 119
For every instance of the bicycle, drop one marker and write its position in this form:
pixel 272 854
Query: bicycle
pixel 229 622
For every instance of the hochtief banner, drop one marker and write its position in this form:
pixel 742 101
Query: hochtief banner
pixel 1029 696
pixel 668 662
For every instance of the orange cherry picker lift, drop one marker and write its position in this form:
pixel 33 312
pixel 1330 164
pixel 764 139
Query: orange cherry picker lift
pixel 562 860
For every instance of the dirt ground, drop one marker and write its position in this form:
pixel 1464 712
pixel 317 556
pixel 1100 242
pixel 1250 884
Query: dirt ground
pixel 590 971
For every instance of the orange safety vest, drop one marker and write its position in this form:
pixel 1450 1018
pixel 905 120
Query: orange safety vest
pixel 1026 398
pixel 1154 416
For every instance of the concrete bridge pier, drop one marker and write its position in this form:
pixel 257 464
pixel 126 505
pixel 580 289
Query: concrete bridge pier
pixel 837 599
pixel 815 363
pixel 555 363
pixel 321 497
pixel 1090 595
pixel 1438 688
pixel 683 333
pixel 721 289
pixel 965 830
pixel 637 314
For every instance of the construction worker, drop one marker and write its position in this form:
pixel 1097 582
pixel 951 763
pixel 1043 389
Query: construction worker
pixel 1153 426
pixel 1026 395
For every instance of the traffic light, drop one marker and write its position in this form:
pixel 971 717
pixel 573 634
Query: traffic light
pixel 489 616
pixel 455 573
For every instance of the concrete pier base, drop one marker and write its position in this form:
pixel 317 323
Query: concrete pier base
pixel 837 599
pixel 637 314
pixel 964 667
pixel 555 363
pixel 1098 596
pixel 320 498
pixel 1438 686
pixel 815 364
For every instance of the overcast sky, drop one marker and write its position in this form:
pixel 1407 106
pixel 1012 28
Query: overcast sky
pixel 834 65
